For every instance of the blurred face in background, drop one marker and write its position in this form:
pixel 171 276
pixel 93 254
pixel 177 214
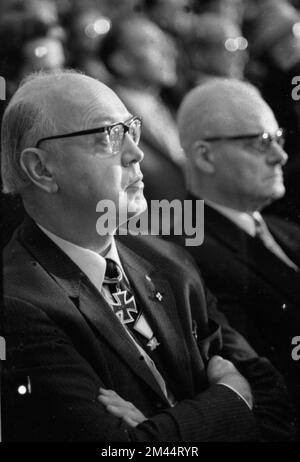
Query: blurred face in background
pixel 44 53
pixel 150 54
pixel 230 9
pixel 172 15
pixel 117 8
pixel 87 30
pixel 286 53
pixel 43 11
pixel 218 47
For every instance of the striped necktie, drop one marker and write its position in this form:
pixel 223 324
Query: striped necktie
pixel 123 304
pixel 264 235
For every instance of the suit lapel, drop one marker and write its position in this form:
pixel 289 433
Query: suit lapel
pixel 100 316
pixel 227 232
pixel 252 253
pixel 149 284
pixel 287 235
pixel 88 300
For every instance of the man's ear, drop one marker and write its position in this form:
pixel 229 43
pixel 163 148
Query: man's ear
pixel 34 163
pixel 203 156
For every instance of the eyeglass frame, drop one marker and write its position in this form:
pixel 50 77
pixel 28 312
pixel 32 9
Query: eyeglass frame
pixel 106 128
pixel 251 136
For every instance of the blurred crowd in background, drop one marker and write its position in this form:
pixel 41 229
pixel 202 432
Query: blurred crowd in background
pixel 151 52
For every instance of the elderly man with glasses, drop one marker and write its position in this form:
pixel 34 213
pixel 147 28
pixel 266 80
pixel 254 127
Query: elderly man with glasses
pixel 105 343
pixel 235 157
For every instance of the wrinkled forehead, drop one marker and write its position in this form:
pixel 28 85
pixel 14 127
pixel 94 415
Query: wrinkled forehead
pixel 74 102
pixel 87 106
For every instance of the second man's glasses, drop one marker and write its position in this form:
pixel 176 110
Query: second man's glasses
pixel 263 140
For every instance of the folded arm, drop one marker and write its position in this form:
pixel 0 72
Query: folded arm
pixel 63 404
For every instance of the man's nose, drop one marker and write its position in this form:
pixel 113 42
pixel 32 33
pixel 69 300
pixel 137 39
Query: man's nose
pixel 277 155
pixel 131 152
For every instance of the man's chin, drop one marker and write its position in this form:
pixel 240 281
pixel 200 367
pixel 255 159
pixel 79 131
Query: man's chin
pixel 278 192
pixel 138 206
pixel 275 195
pixel 267 199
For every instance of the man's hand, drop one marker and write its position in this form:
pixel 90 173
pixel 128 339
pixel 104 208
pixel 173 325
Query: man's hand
pixel 120 408
pixel 222 371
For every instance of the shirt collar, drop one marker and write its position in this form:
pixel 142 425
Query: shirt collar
pixel 243 220
pixel 91 263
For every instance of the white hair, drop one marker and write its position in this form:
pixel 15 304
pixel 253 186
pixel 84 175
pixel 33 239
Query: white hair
pixel 24 122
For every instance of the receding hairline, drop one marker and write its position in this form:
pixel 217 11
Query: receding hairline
pixel 67 99
pixel 217 105
pixel 41 87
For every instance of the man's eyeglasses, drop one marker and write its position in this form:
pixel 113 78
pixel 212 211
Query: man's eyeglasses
pixel 115 133
pixel 264 140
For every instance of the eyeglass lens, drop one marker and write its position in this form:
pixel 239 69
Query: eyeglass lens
pixel 267 139
pixel 135 131
pixel 118 131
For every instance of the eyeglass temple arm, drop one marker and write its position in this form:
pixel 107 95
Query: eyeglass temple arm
pixel 237 137
pixel 69 135
pixel 88 132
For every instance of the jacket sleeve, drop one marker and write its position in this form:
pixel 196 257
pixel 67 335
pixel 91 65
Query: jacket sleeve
pixel 61 388
pixel 272 405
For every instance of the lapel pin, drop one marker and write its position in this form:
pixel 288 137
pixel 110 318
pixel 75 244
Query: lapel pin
pixel 156 293
pixel 153 343
pixel 159 296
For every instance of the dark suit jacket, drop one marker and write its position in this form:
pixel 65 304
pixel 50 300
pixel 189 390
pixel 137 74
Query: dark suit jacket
pixel 64 342
pixel 259 294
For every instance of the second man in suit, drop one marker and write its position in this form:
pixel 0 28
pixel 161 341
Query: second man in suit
pixel 235 155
